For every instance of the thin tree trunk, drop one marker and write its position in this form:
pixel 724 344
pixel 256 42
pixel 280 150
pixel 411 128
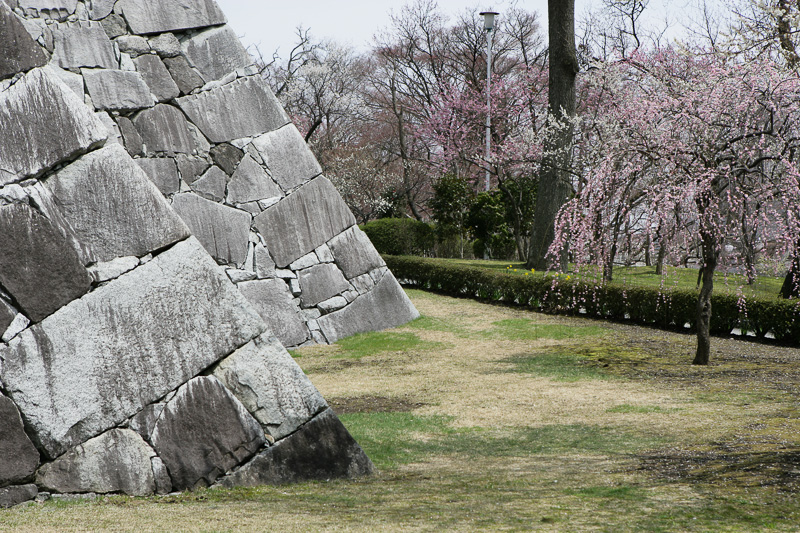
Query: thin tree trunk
pixel 710 253
pixel 791 283
pixel 554 186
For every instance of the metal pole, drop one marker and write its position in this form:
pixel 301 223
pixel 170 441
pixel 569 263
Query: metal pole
pixel 488 104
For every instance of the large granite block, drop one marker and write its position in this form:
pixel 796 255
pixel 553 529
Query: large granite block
pixel 385 306
pixel 321 449
pixel 321 282
pixel 113 207
pixel 288 157
pixel 157 77
pixel 242 108
pixel 18 51
pixel 43 123
pixel 83 45
pixel 224 231
pixel 130 136
pixel 250 182
pixel 101 359
pixel 18 457
pixel 272 300
pixel 355 253
pixel 119 460
pixel 216 52
pixel 163 172
pixel 203 432
pixel 117 90
pixel 303 221
pixel 268 382
pixel 146 16
pixel 212 184
pixel 38 265
pixel 164 129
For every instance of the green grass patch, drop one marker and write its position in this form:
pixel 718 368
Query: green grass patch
pixel 526 329
pixel 394 439
pixel 624 492
pixel 558 366
pixel 427 323
pixel 358 346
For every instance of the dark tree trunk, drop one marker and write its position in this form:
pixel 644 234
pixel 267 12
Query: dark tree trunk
pixel 710 254
pixel 791 283
pixel 554 186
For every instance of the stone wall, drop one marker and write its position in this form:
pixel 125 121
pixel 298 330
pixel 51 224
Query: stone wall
pixel 164 233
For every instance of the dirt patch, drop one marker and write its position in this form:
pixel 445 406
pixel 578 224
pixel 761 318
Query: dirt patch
pixel 373 404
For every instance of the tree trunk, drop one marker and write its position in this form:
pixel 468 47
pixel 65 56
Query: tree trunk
pixel 554 186
pixel 791 283
pixel 710 253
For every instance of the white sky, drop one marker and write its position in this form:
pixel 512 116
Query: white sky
pixel 271 24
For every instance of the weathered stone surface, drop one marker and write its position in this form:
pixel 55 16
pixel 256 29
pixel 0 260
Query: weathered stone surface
pixel 157 77
pixel 250 182
pixel 113 207
pixel 191 167
pixel 203 432
pixel 130 136
pixel 321 282
pixel 146 16
pixel 354 253
pixel 72 80
pixel 133 45
pixel 118 90
pixel 100 9
pixel 164 129
pixel 7 314
pixel 11 496
pixel 112 129
pixel 113 269
pixel 18 456
pixel 222 230
pixel 163 172
pixel 385 306
pixel 211 185
pixel 308 260
pixel 16 327
pixel 288 157
pixel 264 265
pixel 333 304
pixel 268 382
pixel 166 45
pixel 243 108
pixel 114 26
pixel 83 44
pixel 184 75
pixel 216 52
pixel 101 359
pixel 116 461
pixel 304 220
pixel 50 9
pixel 38 266
pixel 227 157
pixel 272 300
pixel 18 51
pixel 57 126
pixel 321 449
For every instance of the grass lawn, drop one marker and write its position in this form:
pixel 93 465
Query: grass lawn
pixel 482 417
pixel 683 278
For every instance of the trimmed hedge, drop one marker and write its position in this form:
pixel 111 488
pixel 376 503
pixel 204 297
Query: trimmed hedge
pixel 668 309
pixel 400 236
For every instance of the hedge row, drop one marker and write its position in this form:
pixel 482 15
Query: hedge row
pixel 666 309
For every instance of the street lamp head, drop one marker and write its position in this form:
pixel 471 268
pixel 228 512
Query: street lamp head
pixel 488 19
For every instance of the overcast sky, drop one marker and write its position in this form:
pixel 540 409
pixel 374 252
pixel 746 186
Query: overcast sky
pixel 271 24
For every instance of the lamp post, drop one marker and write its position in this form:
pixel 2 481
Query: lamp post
pixel 488 25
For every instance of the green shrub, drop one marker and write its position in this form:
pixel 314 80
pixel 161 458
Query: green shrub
pixel 650 306
pixel 400 236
